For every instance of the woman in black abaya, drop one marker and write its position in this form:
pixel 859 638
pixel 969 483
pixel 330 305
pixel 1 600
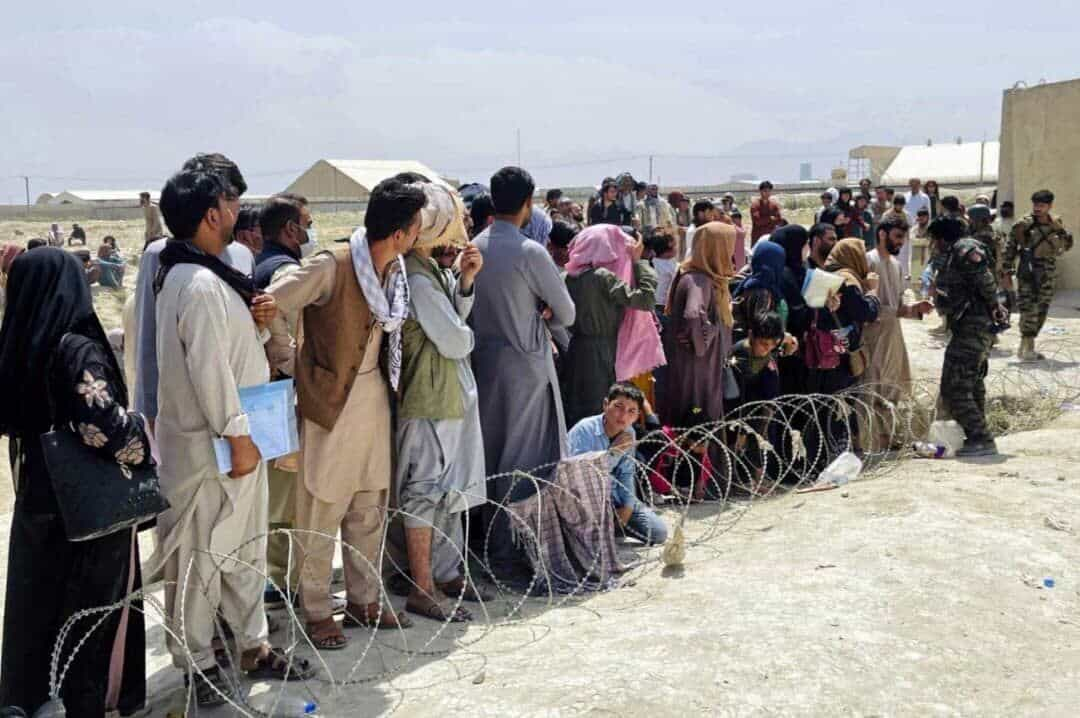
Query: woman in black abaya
pixel 54 353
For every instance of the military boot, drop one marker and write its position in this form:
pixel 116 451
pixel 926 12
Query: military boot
pixel 972 449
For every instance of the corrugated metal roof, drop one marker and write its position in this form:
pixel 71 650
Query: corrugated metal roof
pixel 368 173
pixel 103 195
pixel 968 163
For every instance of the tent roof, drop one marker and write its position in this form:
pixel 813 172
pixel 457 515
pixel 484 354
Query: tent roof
pixel 368 173
pixel 969 162
pixel 104 195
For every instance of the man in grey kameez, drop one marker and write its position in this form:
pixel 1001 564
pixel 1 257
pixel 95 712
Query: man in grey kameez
pixel 520 299
pixel 440 467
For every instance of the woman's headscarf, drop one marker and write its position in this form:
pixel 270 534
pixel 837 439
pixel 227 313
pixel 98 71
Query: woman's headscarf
pixel 47 297
pixel 714 247
pixel 766 270
pixel 605 246
pixel 793 238
pixel 539 227
pixel 848 259
pixel 8 255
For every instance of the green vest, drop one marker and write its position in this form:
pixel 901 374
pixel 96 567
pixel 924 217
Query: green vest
pixel 429 386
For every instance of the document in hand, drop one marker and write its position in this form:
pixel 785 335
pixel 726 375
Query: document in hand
pixel 818 285
pixel 271 411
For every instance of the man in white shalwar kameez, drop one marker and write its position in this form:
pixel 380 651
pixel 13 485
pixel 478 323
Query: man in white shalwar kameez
pixel 888 371
pixel 209 346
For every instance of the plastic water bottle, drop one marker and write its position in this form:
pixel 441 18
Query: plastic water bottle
pixel 842 470
pixel 927 450
pixel 276 705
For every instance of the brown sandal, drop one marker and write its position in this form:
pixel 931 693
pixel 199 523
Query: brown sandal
pixel 326 635
pixel 360 617
pixel 472 592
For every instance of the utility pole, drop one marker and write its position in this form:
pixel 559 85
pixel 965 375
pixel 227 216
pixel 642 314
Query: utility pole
pixel 519 147
pixel 26 180
pixel 650 169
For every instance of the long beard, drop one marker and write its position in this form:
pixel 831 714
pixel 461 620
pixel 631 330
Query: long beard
pixel 893 249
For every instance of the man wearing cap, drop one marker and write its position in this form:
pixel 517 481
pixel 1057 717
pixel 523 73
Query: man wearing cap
pixel 1031 254
pixel 727 203
pixel 440 453
pixel 654 215
pixel 765 213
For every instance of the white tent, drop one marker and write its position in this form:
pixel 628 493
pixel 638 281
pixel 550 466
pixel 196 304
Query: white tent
pixel 352 180
pixel 968 163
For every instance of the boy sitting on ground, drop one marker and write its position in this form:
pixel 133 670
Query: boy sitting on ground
pixel 613 431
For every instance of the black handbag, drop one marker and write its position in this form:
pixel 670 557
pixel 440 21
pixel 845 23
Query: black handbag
pixel 98 495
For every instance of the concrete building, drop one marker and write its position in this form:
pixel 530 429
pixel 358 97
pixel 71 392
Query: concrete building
pixel 350 181
pixel 1040 149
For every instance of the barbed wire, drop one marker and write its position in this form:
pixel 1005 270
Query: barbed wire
pixel 758 452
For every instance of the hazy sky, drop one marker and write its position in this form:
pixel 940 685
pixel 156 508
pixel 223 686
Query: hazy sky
pixel 116 94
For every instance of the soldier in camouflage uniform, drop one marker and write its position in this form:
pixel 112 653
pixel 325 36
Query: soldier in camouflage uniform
pixel 979 220
pixel 1036 242
pixel 967 298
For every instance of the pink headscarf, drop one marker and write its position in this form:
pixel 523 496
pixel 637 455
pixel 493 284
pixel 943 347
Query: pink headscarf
pixel 605 246
pixel 8 253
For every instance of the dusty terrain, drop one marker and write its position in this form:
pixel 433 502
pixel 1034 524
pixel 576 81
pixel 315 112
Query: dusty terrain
pixel 914 591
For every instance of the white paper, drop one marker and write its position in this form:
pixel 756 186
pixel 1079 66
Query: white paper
pixel 271 412
pixel 818 285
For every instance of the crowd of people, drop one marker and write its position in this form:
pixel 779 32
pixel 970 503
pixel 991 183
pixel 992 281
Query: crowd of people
pixel 448 359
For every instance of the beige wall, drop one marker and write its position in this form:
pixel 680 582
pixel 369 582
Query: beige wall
pixel 1040 149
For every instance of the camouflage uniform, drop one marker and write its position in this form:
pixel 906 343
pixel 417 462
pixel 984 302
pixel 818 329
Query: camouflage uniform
pixel 967 291
pixel 1037 247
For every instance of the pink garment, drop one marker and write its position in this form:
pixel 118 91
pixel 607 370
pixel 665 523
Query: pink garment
pixel 7 255
pixel 740 247
pixel 605 246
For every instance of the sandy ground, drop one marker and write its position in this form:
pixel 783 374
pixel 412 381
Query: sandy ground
pixel 914 591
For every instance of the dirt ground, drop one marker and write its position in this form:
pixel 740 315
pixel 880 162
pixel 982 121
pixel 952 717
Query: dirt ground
pixel 916 590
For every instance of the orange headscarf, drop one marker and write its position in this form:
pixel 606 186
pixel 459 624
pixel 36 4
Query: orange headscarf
pixel 714 248
pixel 848 259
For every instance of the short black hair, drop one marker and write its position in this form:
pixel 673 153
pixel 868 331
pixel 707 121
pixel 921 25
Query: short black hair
pixel 1008 203
pixel 624 390
pixel 640 186
pixel 411 178
pixel 703 205
pixel 608 184
pixel 186 198
pixel 276 214
pixel 830 215
pixel 109 240
pixel 881 187
pixel 951 203
pixel 890 223
pixel 562 234
pixel 767 325
pixel 392 206
pixel 1043 196
pixel 144 194
pixel 482 209
pixel 36 242
pixel 844 190
pixel 765 185
pixel 948 229
pixel 511 188
pixel 820 230
pixel 220 165
pixel 292 197
pixel 901 199
pixel 923 212
pixel 889 192
pixel 553 195
pixel 248 218
pixel 735 213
